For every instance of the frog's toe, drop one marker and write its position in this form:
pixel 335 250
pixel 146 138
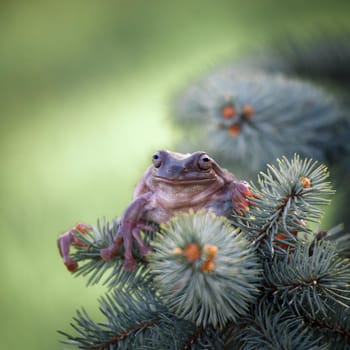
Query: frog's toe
pixel 144 250
pixel 107 254
pixel 71 265
pixel 130 264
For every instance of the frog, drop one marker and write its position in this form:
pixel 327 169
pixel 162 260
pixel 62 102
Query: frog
pixel 174 183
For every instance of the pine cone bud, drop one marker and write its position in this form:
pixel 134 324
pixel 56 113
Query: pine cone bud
pixel 205 269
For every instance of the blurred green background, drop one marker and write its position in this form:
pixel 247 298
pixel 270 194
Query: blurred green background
pixel 85 94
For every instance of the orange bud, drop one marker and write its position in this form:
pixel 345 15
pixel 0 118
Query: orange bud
pixel 208 266
pixel 248 111
pixel 234 130
pixel 211 250
pixel 228 112
pixel 284 236
pixel 177 251
pixel 192 252
pixel 306 182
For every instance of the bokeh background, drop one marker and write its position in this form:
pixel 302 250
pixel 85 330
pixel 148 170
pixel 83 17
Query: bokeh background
pixel 86 89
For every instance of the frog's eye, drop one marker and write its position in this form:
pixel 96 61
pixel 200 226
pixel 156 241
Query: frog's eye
pixel 204 162
pixel 156 159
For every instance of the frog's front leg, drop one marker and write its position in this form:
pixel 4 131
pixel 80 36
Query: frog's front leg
pixel 240 191
pixel 129 231
pixel 68 239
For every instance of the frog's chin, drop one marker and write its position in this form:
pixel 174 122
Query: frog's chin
pixel 183 182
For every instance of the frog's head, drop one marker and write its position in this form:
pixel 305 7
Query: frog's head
pixel 177 168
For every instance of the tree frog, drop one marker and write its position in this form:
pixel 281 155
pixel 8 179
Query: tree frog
pixel 174 183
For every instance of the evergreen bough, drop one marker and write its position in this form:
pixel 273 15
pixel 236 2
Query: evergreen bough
pixel 262 279
pixel 249 118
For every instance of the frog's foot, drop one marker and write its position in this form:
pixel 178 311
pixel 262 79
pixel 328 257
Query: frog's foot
pixel 68 239
pixel 240 196
pixel 71 264
pixel 125 237
pixel 108 254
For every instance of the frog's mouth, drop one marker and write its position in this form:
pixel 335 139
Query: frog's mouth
pixel 183 181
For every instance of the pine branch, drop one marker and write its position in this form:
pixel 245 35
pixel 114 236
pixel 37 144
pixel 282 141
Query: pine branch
pixel 309 283
pixel 200 258
pixel 335 326
pixel 126 314
pixel 275 330
pixel 139 321
pixel 288 197
pixel 337 236
pixel 248 118
pixel 111 273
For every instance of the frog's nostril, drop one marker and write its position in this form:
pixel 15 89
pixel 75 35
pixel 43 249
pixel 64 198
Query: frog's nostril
pixel 175 170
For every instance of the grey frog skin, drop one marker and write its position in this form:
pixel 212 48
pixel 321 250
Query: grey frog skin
pixel 173 184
